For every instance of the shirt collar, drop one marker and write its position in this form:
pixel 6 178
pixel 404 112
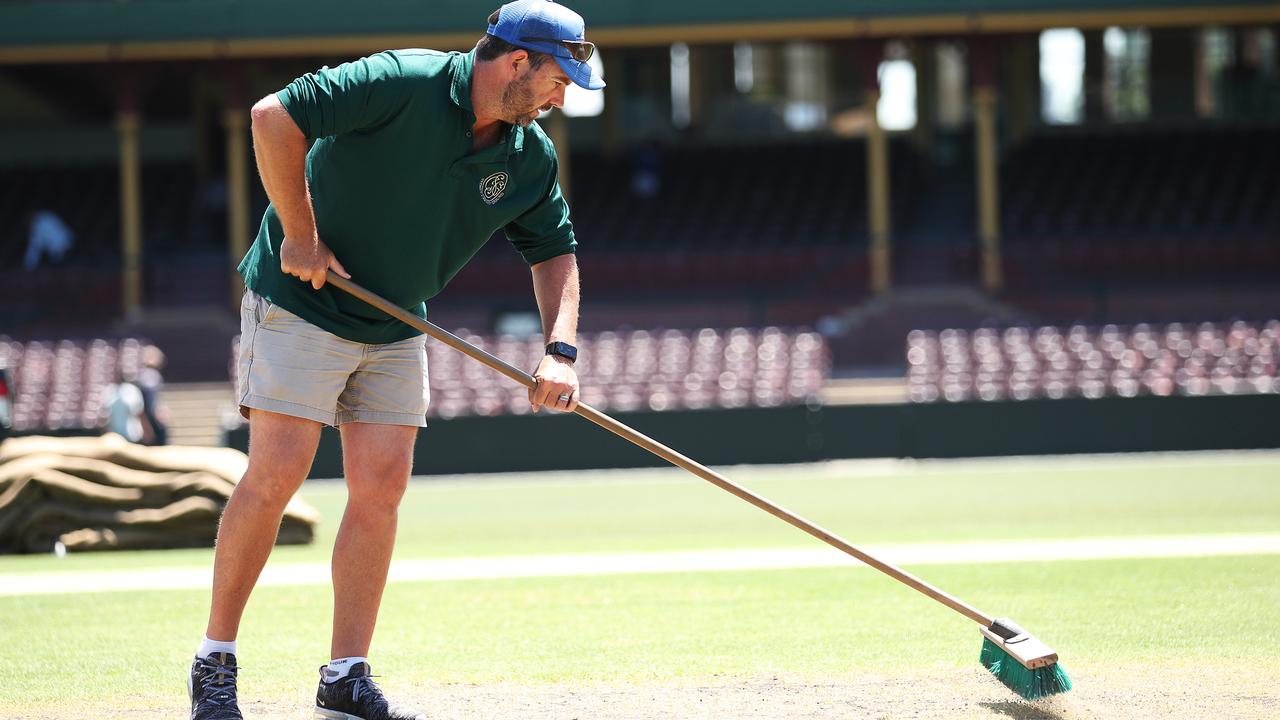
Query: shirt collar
pixel 460 93
pixel 460 89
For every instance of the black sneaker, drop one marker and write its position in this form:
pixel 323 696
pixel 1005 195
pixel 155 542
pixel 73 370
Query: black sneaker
pixel 212 687
pixel 357 697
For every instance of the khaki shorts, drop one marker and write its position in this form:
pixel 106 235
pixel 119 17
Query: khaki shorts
pixel 289 366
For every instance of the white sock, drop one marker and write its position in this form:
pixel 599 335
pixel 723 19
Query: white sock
pixel 341 667
pixel 209 647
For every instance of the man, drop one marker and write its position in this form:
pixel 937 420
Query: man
pixel 418 157
pixel 49 236
pixel 151 383
pixel 125 404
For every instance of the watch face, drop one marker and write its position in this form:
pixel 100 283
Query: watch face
pixel 563 349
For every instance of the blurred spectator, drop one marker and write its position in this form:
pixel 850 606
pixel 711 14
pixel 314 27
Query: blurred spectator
pixel 49 236
pixel 124 405
pixel 151 383
pixel 6 409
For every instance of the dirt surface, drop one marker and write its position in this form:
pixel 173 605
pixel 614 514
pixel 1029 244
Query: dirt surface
pixel 1119 694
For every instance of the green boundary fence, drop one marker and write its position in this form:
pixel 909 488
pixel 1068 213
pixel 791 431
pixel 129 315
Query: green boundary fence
pixel 800 434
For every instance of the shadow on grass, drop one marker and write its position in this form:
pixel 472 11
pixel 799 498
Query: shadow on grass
pixel 1021 711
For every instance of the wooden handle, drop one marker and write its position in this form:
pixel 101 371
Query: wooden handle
pixel 431 329
pixel 637 438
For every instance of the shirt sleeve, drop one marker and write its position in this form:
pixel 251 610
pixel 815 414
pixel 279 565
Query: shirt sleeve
pixel 544 230
pixel 358 95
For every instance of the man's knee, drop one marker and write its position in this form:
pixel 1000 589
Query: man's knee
pixel 378 461
pixel 382 483
pixel 271 482
pixel 281 449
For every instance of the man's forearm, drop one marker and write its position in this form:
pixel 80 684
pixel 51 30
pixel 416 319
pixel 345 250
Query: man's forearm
pixel 281 152
pixel 555 286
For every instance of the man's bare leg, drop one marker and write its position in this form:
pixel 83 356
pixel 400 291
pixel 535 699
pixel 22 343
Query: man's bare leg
pixel 377 460
pixel 281 448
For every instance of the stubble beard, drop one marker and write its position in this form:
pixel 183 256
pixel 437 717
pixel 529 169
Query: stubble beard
pixel 518 105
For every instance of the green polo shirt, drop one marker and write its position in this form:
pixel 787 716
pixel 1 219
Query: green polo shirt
pixel 398 195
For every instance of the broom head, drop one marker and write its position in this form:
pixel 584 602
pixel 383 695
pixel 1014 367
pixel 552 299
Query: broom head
pixel 1020 661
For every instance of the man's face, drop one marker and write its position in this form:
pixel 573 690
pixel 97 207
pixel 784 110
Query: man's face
pixel 533 91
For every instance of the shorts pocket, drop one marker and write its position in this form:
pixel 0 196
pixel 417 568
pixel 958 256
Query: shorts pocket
pixel 264 310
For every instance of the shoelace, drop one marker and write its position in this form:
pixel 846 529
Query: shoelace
pixel 219 682
pixel 364 685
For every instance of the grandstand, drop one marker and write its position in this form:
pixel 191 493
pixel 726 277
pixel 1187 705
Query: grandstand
pixel 58 387
pixel 1148 205
pixel 641 370
pixel 1044 200
pixel 1022 363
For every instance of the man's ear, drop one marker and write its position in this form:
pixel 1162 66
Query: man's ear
pixel 515 60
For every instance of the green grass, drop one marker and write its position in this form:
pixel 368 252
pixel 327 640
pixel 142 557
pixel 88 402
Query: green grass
pixel 58 650
pixel 819 623
pixel 865 502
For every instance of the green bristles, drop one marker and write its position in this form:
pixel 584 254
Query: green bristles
pixel 1030 684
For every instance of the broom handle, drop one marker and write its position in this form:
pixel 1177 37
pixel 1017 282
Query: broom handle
pixel 664 452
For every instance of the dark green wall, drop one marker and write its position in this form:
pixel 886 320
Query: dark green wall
pixel 797 434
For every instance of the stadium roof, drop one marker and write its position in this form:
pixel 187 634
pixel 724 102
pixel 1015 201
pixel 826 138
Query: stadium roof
pixel 104 30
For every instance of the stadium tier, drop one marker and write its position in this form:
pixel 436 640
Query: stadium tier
pixel 86 198
pixel 698 219
pixel 1020 363
pixel 1142 205
pixel 1121 206
pixel 58 386
pixel 839 175
pixel 771 195
pixel 640 370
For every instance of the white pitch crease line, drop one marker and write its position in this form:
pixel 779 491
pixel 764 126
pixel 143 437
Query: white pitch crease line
pixel 586 564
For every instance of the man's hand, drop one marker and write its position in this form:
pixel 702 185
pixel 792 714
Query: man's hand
pixel 308 261
pixel 557 386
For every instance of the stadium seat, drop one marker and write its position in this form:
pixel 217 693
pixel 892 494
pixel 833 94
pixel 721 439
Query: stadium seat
pixel 58 386
pixel 1020 364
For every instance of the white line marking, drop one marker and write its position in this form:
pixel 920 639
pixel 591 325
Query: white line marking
pixel 491 568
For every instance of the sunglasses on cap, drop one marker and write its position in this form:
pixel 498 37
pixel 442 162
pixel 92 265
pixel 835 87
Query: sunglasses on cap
pixel 579 50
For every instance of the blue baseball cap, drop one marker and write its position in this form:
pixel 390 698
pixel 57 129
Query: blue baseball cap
pixel 553 29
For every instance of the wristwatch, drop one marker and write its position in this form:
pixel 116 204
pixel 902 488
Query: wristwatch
pixel 563 349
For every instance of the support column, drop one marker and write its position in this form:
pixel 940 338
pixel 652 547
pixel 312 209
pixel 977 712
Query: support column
pixel 557 127
pixel 128 123
pixel 878 199
pixel 985 97
pixel 1095 73
pixel 878 217
pixel 235 117
pixel 924 55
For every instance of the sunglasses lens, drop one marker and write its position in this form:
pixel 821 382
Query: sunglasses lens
pixel 580 51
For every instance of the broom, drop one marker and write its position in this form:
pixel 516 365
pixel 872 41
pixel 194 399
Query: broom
pixel 1016 658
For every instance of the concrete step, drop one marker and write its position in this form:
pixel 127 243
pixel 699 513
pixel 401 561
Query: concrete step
pixel 864 391
pixel 196 411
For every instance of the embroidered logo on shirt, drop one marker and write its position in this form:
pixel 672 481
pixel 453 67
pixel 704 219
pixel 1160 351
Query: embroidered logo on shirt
pixel 493 187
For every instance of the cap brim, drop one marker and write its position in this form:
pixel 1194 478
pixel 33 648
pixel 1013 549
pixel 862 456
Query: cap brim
pixel 582 74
